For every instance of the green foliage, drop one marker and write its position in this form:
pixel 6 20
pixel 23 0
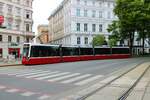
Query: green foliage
pixel 112 42
pixel 99 40
pixel 133 16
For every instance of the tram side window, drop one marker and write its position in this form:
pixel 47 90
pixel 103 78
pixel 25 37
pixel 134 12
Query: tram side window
pixel 99 51
pixel 86 51
pixel 43 51
pixel 67 51
pixel 120 50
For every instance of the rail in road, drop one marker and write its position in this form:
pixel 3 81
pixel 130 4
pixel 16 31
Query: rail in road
pixel 136 72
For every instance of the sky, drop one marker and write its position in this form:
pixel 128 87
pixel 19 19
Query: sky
pixel 42 10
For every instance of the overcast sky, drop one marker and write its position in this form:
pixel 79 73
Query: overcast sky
pixel 42 10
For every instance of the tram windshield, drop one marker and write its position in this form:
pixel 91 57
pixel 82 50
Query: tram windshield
pixel 26 50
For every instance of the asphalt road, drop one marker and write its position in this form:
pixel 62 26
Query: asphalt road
pixel 46 82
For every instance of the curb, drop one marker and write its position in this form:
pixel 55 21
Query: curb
pixel 10 65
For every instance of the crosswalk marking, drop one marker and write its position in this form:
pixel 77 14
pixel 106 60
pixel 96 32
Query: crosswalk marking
pixel 27 94
pixel 63 77
pixel 25 72
pixel 89 80
pixel 17 71
pixel 2 87
pixel 34 76
pixel 12 90
pixel 43 97
pixel 76 78
pixel 32 73
pixel 51 76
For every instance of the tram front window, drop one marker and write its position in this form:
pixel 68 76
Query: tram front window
pixel 26 50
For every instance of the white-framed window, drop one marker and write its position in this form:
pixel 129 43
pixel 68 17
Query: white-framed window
pixel 78 2
pixel 85 3
pixel 108 14
pixel 1 7
pixel 78 27
pixel 100 28
pixel 9 8
pixel 85 13
pixel 18 11
pixel 93 27
pixel 78 40
pixel 93 13
pixel 85 27
pixel 86 40
pixel 78 12
pixel 100 14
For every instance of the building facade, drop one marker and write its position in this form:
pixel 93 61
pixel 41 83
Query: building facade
pixel 43 36
pixel 17 26
pixel 76 22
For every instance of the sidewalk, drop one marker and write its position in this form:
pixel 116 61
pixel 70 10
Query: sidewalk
pixel 4 62
pixel 140 92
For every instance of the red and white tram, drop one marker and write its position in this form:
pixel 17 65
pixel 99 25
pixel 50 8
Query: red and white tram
pixel 34 54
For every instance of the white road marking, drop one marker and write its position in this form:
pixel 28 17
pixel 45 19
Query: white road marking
pixel 51 76
pixel 63 77
pixel 76 78
pixel 89 80
pixel 12 90
pixel 32 73
pixel 2 87
pixel 27 94
pixel 21 72
pixel 43 97
pixel 25 72
pixel 34 76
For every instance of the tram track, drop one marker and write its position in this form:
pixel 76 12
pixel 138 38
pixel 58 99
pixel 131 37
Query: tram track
pixel 123 95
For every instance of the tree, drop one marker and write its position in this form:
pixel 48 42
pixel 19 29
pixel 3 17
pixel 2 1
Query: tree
pixel 112 42
pixel 99 40
pixel 133 17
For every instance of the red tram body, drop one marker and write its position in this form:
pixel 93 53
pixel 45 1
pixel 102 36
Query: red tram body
pixel 36 54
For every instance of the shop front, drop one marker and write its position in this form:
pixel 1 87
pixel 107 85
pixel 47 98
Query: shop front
pixel 14 52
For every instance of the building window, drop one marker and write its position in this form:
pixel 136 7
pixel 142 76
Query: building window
pixel 86 40
pixel 1 7
pixel 78 40
pixel 93 27
pixel 28 3
pixel 85 3
pixel 9 38
pixel 108 4
pixel 85 27
pixel 17 25
pixel 27 39
pixel 78 12
pixel 78 26
pixel 85 13
pixel 78 1
pixel 18 1
pixel 108 15
pixel 1 38
pixel 93 13
pixel 100 14
pixel 93 3
pixel 27 27
pixel 18 11
pixel 27 14
pixel 9 9
pixel 100 28
pixel 18 39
